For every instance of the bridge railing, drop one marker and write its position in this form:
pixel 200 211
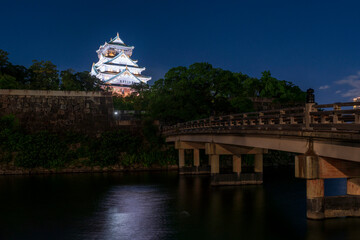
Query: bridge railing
pixel 310 117
pixel 336 116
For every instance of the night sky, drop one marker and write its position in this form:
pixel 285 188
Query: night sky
pixel 310 43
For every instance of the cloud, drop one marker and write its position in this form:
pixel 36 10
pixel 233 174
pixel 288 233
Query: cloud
pixel 324 87
pixel 353 81
pixel 338 91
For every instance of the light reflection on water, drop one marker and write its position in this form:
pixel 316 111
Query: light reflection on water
pixel 131 212
pixel 162 206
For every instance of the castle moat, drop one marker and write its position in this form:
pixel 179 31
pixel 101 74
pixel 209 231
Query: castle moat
pixel 163 205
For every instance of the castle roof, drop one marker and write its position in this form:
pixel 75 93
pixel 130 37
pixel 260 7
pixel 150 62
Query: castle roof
pixel 117 41
pixel 123 72
pixel 122 58
pixel 123 65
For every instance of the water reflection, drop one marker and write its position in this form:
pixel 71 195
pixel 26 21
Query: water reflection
pixel 340 228
pixel 131 212
pixel 162 206
pixel 226 212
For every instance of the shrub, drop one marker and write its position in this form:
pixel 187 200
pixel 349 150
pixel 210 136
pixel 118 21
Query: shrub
pixel 42 150
pixel 50 150
pixel 109 147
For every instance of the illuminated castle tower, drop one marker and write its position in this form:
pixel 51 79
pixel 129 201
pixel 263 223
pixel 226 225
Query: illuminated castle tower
pixel 357 99
pixel 115 68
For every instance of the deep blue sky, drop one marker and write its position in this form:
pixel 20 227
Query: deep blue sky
pixel 310 43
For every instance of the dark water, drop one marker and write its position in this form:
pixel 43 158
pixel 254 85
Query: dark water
pixel 162 206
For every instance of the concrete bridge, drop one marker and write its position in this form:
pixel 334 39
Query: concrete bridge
pixel 325 137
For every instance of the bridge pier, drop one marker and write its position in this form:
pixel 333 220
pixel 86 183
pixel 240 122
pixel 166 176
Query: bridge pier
pixel 181 158
pixel 237 164
pixel 196 168
pixel 315 169
pixel 237 177
pixel 214 164
pixel 196 157
pixel 353 186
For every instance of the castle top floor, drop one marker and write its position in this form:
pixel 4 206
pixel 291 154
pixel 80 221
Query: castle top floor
pixel 113 47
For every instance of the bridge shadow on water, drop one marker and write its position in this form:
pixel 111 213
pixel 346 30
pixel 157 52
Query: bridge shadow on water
pixel 163 206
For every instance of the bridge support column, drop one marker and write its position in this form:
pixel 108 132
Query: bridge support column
pixel 215 164
pixel 196 158
pixel 237 177
pixel 353 186
pixel 258 164
pixel 315 199
pixel 258 169
pixel 181 158
pixel 182 168
pixel 237 164
pixel 315 169
pixel 195 168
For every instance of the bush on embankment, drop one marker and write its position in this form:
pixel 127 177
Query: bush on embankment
pixel 50 150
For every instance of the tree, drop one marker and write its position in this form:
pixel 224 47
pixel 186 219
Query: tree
pixel 20 73
pixel 8 82
pixel 140 96
pixel 88 82
pixel 80 81
pixel 4 60
pixel 200 91
pixel 15 75
pixel 68 81
pixel 191 93
pixel 182 95
pixel 282 91
pixel 123 103
pixel 44 76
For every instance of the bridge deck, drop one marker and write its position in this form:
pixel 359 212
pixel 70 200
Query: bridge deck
pixel 334 133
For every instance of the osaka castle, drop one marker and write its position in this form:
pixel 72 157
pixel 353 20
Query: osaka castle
pixel 115 67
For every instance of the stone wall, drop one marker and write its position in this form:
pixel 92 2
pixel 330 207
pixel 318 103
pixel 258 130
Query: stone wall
pixel 59 111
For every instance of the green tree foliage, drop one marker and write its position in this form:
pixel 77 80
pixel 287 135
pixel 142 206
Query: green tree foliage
pixel 184 93
pixel 9 122
pixel 50 150
pixel 44 76
pixel 80 81
pixel 282 91
pixel 11 73
pixel 138 100
pixel 8 82
pixel 4 59
pixel 41 150
pixel 123 103
pixel 9 137
pixel 68 81
pixel 200 91
pixel 140 96
pixel 108 149
pixel 88 82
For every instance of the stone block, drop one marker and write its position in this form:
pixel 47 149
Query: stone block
pixel 315 208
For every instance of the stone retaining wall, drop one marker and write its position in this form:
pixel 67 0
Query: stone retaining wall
pixel 59 111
